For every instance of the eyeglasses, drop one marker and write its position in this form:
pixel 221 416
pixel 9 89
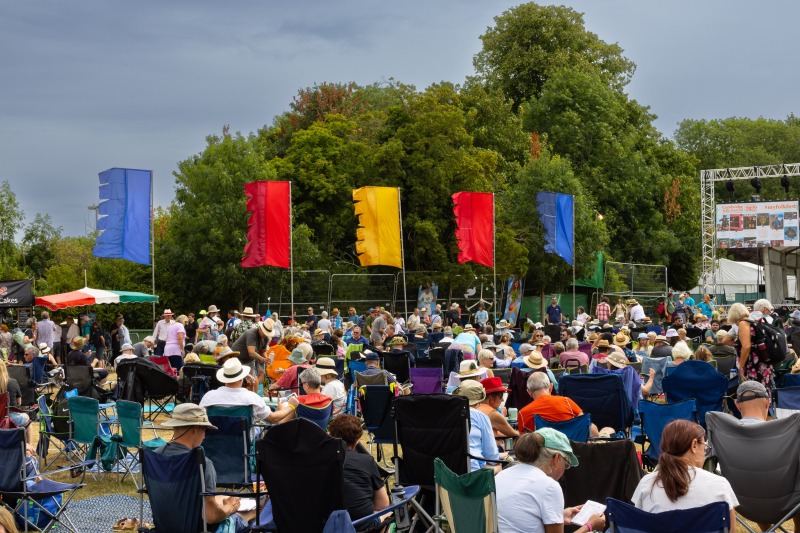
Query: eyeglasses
pixel 705 444
pixel 538 336
pixel 566 461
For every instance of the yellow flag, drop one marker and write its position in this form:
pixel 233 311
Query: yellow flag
pixel 378 234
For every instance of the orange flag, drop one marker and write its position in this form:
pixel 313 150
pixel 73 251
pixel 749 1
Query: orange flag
pixel 378 234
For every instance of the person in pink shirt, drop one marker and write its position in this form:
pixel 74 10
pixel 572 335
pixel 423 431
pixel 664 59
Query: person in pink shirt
pixel 572 352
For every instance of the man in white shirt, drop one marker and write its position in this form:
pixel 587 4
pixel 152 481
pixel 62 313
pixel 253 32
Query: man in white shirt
pixel 125 352
pixel 636 311
pixel 160 332
pixel 413 320
pixel 233 393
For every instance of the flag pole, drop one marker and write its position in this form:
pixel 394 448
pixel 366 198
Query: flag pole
pixel 574 309
pixel 291 260
pixel 494 259
pixel 402 252
pixel 152 244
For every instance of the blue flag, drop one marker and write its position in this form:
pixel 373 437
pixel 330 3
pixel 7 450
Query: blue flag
pixel 556 212
pixel 124 210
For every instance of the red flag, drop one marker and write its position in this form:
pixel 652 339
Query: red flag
pixel 475 220
pixel 268 234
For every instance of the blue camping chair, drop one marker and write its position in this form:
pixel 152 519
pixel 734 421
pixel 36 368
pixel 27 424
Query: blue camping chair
pixel 376 407
pixel 38 504
pixel 624 518
pixel 175 484
pixel 660 365
pixel 37 369
pixel 423 346
pixel 318 415
pixel 576 429
pixel 787 401
pixel 698 380
pixel 229 446
pixel 791 380
pixel 654 417
pixel 603 396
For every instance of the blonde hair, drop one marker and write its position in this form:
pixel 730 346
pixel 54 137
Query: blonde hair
pixel 7 521
pixel 737 313
pixel 182 319
pixel 3 378
pixel 681 350
pixel 485 355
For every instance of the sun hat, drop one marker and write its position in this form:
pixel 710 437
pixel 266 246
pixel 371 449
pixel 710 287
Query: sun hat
pixel 469 369
pixel 224 354
pixel 318 332
pixel 537 344
pixel 326 366
pixel 535 360
pixel 699 317
pixel 202 312
pixel 44 348
pixel 607 326
pixel 167 312
pixel 642 336
pixel 489 345
pixel 555 440
pixel 297 357
pixel 620 339
pixel 525 348
pixel 617 359
pixel 647 320
pixel 491 385
pixel 502 324
pixel 77 341
pixel 538 325
pixel 212 309
pixel 150 339
pixel 661 338
pixel 632 301
pixel 232 370
pixel 126 346
pixel 438 325
pixel 592 337
pixel 397 341
pixel 472 390
pixel 671 332
pixel 453 305
pixel 348 325
pixel 420 329
pixel 191 358
pixel 188 415
pixel 603 344
pixel 266 326
pixel 421 309
pixel 248 312
pixel 750 390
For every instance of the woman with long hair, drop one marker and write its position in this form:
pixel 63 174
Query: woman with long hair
pixel 680 482
pixel 749 363
pixel 11 386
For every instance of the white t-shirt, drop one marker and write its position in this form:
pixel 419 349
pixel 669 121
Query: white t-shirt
pixel 335 389
pixel 231 397
pixel 324 324
pixel 527 499
pixel 637 313
pixel 704 488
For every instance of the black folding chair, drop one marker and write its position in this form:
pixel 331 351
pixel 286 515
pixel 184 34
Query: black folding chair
pixel 139 380
pixel 201 378
pixel 26 384
pixel 398 363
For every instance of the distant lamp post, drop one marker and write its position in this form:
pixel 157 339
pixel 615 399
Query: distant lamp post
pixel 94 208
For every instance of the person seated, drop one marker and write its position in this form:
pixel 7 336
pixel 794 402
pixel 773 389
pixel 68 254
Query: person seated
pixel 11 386
pixel 233 392
pixel 144 348
pixel 551 408
pixel 643 346
pixel 332 387
pixel 525 349
pixel 529 497
pixel 702 353
pixel 725 346
pixel 398 344
pixel 357 338
pixel 77 357
pixel 364 492
pixel 125 352
pixel 486 360
pixel 617 363
pixel 752 400
pixel 572 352
pixel 311 384
pixel 446 339
pixel 189 424
pixel 661 347
pixel 373 363
pixel 481 437
pixel 680 482
pixel 491 407
pixel 680 353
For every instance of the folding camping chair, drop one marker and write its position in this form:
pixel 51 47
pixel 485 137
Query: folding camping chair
pixel 398 363
pixel 576 429
pixel 660 365
pixel 56 430
pixel 436 354
pixel 654 417
pixel 518 383
pixel 37 370
pixel 320 416
pixel 724 364
pixel 229 446
pixel 163 362
pixel 504 374
pixel 82 378
pixel 762 463
pixel 791 380
pixel 37 500
pixel 426 380
pixel 88 429
pixel 698 380
pixel 144 382
pixel 469 501
pixel 376 407
pixel 606 469
pixel 323 349
pixel 131 421
pixel 624 518
pixel 26 384
pixel 603 396
pixel 201 378
pixel 787 401
pixel 423 346
pixel 350 384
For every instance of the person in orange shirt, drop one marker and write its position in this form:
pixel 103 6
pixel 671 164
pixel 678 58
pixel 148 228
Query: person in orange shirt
pixel 551 408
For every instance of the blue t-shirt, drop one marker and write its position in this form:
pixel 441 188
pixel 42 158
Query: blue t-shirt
pixel 482 317
pixel 554 314
pixel 481 439
pixel 468 339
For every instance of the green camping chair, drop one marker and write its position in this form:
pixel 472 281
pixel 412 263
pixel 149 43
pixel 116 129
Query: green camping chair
pixel 131 421
pixel 468 501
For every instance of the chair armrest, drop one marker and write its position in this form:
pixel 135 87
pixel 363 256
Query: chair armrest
pixel 485 460
pixel 82 464
pixel 411 491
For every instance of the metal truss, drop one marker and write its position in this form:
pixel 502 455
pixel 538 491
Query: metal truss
pixel 708 277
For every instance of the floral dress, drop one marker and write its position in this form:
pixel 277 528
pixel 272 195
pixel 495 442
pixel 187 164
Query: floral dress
pixel 754 369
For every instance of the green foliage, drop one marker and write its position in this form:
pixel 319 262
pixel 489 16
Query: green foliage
pixel 11 219
pixel 38 242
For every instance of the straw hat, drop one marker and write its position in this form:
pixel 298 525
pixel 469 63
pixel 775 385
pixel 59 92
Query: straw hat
pixel 266 327
pixel 326 366
pixel 469 369
pixel 620 339
pixel 618 360
pixel 472 390
pixel 535 360
pixel 592 337
pixel 188 415
pixel 502 324
pixel 212 309
pixel 248 313
pixel 397 341
pixel 224 354
pixel 43 348
pixel 232 371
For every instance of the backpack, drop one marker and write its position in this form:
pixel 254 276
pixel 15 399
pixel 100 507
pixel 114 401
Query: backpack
pixel 770 341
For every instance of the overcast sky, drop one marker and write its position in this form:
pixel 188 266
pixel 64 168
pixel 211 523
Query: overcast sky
pixel 89 85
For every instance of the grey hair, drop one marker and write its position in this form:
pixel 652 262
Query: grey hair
pixel 546 339
pixel 34 351
pixel 45 315
pixel 763 303
pixel 559 347
pixel 538 381
pixel 311 377
pixel 324 314
pixel 572 344
pixel 681 350
pixel 737 313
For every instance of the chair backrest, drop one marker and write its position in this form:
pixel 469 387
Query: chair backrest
pixel 605 469
pixel 787 401
pixel 547 351
pixel 426 380
pixel 376 408
pixel 791 380
pixel 660 365
pixel 129 415
pixel 724 364
pixel 291 454
pixel 27 386
pixel 207 359
pixel 163 363
pixel 711 518
pixel 228 446
pixel 79 377
pixel 355 367
pixel 468 500
pixel 761 461
pixel 518 383
pixel 5 420
pixel 504 374
pixel 698 380
pixel 380 378
pixel 655 416
pixel 576 429
pixel 320 416
pixel 437 354
pixel 12 459
pixel 398 363
pixel 174 484
pixel 322 348
pixel 85 415
pixel 601 395
pixel 430 426
pixel 37 369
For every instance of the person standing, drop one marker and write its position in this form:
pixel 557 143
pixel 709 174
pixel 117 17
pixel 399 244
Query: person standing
pixel 554 315
pixel 160 332
pixel 46 331
pixel 603 310
pixel 176 337
pixel 191 328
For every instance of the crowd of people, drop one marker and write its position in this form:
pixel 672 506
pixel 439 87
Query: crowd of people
pixel 529 498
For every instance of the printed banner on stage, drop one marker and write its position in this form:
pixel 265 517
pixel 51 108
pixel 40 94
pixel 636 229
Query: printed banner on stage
pixel 124 215
pixel 427 296
pixel 16 293
pixel 513 300
pixel 269 226
pixel 753 224
pixel 474 213
pixel 378 234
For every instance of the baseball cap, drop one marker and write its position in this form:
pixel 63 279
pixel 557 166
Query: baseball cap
pixel 750 390
pixel 555 440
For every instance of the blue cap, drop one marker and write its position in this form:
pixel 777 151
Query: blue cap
pixel 372 356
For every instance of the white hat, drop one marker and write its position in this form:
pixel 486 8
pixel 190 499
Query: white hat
pixel 167 312
pixel 232 371
pixel 126 346
pixel 502 324
pixel 212 309
pixel 326 366
pixel 43 348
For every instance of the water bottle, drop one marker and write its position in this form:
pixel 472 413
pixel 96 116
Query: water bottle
pixel 401 513
pixel 734 372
